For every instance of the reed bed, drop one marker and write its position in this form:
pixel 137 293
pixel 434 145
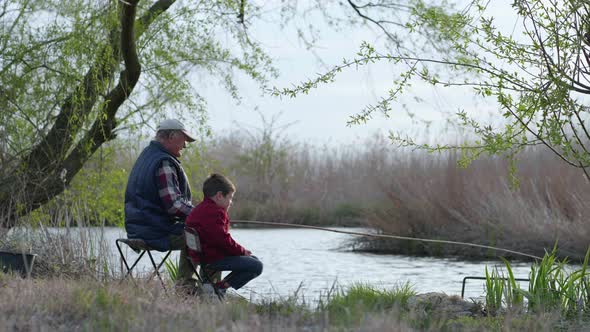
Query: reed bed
pixel 413 194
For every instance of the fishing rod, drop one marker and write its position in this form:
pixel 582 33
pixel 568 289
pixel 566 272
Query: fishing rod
pixel 387 236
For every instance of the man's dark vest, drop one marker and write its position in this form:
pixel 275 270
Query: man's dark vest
pixel 145 216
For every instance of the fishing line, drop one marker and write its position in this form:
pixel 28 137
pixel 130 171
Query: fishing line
pixel 387 236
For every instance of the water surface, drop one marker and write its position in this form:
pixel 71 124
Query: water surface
pixel 312 262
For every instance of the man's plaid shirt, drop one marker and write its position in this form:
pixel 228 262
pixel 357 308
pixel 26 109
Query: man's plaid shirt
pixel 169 190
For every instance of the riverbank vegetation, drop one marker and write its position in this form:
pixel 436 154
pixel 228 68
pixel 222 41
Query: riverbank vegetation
pixel 67 304
pixel 75 285
pixel 87 304
pixel 368 184
pixel 554 286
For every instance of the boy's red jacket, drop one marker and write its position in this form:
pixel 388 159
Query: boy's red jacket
pixel 212 223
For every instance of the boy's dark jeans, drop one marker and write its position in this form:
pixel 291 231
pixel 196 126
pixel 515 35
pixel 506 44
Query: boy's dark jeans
pixel 243 269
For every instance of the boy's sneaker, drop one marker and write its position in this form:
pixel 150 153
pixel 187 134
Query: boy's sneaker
pixel 220 289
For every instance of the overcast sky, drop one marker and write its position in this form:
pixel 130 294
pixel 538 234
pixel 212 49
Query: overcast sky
pixel 321 116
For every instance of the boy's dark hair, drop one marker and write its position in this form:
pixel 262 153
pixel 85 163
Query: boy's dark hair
pixel 217 182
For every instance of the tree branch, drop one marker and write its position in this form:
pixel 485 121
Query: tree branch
pixel 105 123
pixel 48 168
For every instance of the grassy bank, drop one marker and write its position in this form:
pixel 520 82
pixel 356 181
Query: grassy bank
pixel 62 304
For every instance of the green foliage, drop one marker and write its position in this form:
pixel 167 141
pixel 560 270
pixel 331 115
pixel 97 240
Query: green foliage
pixel 347 211
pixel 47 63
pixel 62 96
pixel 535 73
pixel 543 293
pixel 172 269
pixel 351 306
pixel 100 186
pixel 95 196
pixel 494 290
pixel 102 307
pixel 553 286
pixel 514 299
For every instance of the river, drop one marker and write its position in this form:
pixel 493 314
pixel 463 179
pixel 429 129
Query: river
pixel 312 262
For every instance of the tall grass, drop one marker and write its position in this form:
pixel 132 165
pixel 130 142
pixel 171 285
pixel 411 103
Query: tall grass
pixel 351 305
pixel 514 298
pixel 494 291
pixel 69 301
pixel 553 286
pixel 72 251
pixel 61 304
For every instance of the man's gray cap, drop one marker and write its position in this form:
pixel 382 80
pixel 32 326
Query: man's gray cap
pixel 174 124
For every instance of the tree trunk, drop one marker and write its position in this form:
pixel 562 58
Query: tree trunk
pixel 50 166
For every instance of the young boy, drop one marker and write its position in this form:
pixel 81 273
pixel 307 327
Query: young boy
pixel 220 251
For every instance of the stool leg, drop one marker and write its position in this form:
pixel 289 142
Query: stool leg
pixel 156 269
pixel 164 260
pixel 195 272
pixel 159 265
pixel 129 269
pixel 136 261
pixel 121 254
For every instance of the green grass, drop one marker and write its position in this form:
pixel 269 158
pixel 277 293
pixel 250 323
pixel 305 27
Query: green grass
pixel 172 268
pixel 554 286
pixel 494 290
pixel 350 306
pixel 514 298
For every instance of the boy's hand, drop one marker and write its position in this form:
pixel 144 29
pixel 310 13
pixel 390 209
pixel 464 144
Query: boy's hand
pixel 248 253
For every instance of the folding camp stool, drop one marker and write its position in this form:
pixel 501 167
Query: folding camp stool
pixel 193 245
pixel 140 247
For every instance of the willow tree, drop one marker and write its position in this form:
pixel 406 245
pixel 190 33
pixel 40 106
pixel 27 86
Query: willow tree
pixel 536 69
pixel 74 74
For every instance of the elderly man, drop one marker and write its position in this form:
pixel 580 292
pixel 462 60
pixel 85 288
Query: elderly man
pixel 158 197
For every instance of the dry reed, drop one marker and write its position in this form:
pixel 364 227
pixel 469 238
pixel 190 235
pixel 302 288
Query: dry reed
pixel 62 304
pixel 411 193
